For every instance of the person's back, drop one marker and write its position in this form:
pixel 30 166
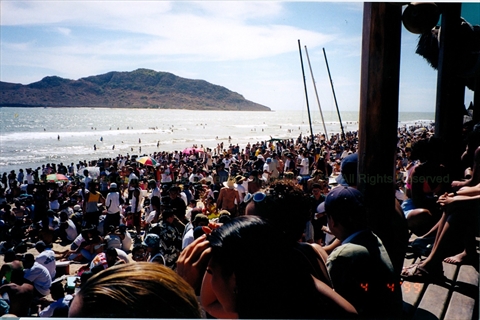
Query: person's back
pixel 38 275
pixel 361 272
pixel 360 268
pixel 20 294
pixel 46 258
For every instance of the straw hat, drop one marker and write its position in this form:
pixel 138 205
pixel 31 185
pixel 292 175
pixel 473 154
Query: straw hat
pixel 230 183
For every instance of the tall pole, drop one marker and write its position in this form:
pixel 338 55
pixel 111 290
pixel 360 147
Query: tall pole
pixel 316 93
pixel 334 96
pixel 378 125
pixel 306 95
pixel 450 107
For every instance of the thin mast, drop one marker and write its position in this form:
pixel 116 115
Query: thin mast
pixel 334 96
pixel 306 95
pixel 316 93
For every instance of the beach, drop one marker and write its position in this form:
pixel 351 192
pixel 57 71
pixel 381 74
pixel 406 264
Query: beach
pixel 30 137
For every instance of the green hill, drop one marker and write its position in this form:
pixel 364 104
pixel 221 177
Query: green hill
pixel 141 88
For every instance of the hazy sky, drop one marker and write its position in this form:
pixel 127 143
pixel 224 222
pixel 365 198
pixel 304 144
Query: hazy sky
pixel 246 46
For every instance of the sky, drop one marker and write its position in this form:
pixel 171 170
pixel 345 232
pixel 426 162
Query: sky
pixel 249 47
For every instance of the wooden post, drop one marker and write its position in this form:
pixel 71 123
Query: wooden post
pixel 379 91
pixel 450 107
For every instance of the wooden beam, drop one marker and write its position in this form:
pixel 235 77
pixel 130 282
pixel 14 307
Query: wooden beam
pixel 379 91
pixel 449 109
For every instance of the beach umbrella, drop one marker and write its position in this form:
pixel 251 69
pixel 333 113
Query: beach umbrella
pixel 188 150
pixel 147 161
pixel 420 130
pixel 192 150
pixel 55 177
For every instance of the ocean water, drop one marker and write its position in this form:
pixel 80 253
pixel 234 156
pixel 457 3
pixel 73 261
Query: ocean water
pixel 30 137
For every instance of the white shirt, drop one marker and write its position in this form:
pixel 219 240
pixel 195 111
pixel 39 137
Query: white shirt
pixel 241 191
pixel 40 277
pixel 123 255
pixel 184 197
pixel 77 242
pixel 127 242
pixel 131 177
pixel 113 241
pixel 29 178
pixel 166 175
pixel 227 163
pixel 304 170
pixel 113 202
pixel 150 216
pixel 188 238
pixel 47 259
pixel 71 230
pixel 266 175
pixel 137 205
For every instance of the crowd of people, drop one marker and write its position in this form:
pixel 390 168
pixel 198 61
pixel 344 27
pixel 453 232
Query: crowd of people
pixel 276 229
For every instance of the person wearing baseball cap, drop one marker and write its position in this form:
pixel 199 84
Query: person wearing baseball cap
pixel 360 268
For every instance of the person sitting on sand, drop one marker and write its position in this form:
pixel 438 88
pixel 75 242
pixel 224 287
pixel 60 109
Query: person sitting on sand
pixel 67 230
pixel 37 275
pixel 46 258
pixel 11 262
pixel 20 293
pixel 61 302
pixel 85 245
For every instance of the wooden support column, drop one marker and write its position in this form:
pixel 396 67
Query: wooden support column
pixel 450 108
pixel 379 91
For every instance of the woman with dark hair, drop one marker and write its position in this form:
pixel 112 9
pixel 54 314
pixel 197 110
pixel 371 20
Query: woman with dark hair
pixel 135 290
pixel 252 273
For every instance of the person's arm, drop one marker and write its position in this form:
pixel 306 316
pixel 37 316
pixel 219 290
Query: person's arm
pixel 47 312
pixel 450 198
pixel 193 261
pixel 220 198
pixel 210 301
pixel 329 248
pixel 102 199
pixel 337 299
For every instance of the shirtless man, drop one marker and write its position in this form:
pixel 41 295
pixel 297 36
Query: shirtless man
pixel 20 294
pixel 228 197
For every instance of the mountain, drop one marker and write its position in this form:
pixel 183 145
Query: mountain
pixel 141 88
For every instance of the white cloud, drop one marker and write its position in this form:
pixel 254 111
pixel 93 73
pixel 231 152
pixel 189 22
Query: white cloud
pixel 64 31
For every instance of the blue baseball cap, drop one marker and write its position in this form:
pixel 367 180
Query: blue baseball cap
pixel 343 199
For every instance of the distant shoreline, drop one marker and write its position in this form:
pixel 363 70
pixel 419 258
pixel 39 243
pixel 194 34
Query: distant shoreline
pixel 139 107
